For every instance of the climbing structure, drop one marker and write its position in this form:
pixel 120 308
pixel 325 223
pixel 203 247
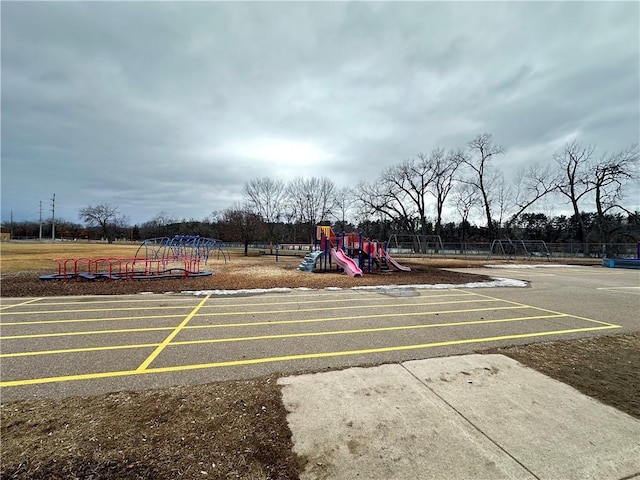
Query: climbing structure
pixel 164 257
pixel 352 252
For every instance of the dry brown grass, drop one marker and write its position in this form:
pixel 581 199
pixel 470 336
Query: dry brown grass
pixel 35 257
pixel 39 257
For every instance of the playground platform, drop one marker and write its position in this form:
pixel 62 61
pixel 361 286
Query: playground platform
pixel 156 258
pixel 352 252
pixel 621 262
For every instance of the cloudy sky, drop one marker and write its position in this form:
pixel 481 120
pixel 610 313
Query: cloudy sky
pixel 173 106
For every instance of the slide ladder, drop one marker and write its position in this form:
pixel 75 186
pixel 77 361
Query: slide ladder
pixel 308 263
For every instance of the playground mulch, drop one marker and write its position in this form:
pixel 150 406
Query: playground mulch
pixel 239 273
pixel 236 429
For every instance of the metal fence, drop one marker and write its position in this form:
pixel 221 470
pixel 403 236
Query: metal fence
pixel 470 249
pixel 556 250
pixel 453 249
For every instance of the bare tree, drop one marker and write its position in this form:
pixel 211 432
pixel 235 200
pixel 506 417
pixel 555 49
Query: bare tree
pixel 501 195
pixel 376 199
pixel 532 183
pixel 159 223
pixel 105 216
pixel 412 179
pixel 466 198
pixel 611 173
pixel 443 167
pixel 401 193
pixel 575 166
pixel 239 222
pixel 266 197
pixel 481 151
pixel 311 200
pixel 345 198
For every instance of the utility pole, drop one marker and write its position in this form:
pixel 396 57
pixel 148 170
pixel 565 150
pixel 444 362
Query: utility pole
pixel 40 235
pixel 11 231
pixel 53 217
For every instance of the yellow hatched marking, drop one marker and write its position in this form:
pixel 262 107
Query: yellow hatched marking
pixel 106 319
pixel 89 320
pixel 84 310
pixel 263 337
pixel 233 300
pixel 335 300
pixel 304 356
pixel 89 332
pixel 547 310
pixel 364 330
pixel 171 336
pixel 77 350
pixel 20 304
pixel 355 317
pixel 250 324
pixel 108 301
pixel 631 290
pixel 618 288
pixel 294 310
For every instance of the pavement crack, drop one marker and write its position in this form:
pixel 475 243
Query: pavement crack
pixel 479 430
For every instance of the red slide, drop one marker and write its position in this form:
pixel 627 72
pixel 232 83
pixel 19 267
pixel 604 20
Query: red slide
pixel 393 262
pixel 350 267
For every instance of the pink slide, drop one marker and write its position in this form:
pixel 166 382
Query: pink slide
pixel 346 263
pixel 393 262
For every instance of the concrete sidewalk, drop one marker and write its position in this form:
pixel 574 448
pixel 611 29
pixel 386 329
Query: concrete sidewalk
pixel 465 417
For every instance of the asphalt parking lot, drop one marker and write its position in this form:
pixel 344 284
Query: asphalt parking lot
pixel 59 346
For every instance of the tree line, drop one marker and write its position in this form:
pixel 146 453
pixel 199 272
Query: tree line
pixel 414 196
pixel 467 180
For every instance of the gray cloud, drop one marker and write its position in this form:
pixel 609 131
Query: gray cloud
pixel 169 106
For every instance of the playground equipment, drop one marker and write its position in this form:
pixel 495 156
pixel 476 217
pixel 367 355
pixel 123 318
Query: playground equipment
pixel 623 262
pixel 347 264
pixel 510 249
pixel 351 251
pixel 193 246
pixel 163 257
pixel 309 261
pixel 414 243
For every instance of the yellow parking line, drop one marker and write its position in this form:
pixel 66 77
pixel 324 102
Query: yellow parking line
pixel 77 350
pixel 263 337
pixel 89 332
pixel 89 320
pixel 171 336
pixel 83 320
pixel 523 305
pixel 20 304
pixel 365 330
pixel 293 310
pixel 115 301
pixel 235 304
pixel 251 324
pixel 304 356
pixel 330 300
pixel 84 310
pixel 353 317
pixel 618 288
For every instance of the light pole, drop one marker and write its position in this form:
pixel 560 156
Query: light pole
pixel 40 233
pixel 53 217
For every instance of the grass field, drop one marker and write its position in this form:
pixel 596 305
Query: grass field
pixel 38 256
